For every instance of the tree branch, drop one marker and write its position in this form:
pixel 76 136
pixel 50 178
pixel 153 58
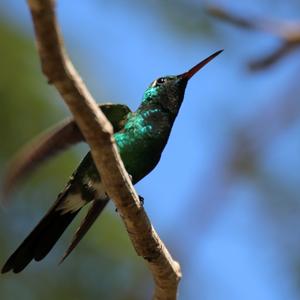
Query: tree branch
pixel 99 134
pixel 288 34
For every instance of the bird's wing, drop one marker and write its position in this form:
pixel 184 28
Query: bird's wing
pixel 53 141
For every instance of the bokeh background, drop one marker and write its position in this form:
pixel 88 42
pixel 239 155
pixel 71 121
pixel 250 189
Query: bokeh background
pixel 225 197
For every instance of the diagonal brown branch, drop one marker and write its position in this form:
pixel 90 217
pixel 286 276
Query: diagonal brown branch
pixel 98 133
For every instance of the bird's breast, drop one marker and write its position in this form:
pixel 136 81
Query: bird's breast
pixel 142 142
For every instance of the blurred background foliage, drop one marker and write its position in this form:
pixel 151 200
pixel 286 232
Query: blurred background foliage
pixel 225 197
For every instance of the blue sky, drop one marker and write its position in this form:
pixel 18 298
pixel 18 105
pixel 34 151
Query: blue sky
pixel 126 48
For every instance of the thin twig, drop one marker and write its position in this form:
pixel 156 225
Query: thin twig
pixel 288 34
pixel 98 133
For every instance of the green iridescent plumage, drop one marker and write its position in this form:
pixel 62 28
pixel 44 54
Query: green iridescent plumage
pixel 140 137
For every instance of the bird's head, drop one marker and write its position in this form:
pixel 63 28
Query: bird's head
pixel 168 91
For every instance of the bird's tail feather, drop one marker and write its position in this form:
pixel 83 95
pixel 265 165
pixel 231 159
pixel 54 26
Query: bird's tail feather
pixel 43 237
pixel 88 221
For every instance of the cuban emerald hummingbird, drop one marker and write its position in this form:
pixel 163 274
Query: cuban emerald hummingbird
pixel 140 136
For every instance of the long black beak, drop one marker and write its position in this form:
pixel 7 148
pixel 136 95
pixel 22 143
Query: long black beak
pixel 189 74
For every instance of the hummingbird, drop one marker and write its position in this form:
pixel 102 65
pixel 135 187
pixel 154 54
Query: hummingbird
pixel 140 137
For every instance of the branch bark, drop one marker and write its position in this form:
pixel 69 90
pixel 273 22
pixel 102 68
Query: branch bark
pixel 98 132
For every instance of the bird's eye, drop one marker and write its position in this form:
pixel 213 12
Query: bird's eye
pixel 160 80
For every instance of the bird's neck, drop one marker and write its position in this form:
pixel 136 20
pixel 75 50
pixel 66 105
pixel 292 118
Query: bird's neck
pixel 142 139
pixel 152 107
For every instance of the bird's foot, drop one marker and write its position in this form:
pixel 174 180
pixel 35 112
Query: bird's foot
pixel 142 200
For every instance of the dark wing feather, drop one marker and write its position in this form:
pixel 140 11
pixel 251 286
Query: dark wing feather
pixel 53 141
pixel 45 146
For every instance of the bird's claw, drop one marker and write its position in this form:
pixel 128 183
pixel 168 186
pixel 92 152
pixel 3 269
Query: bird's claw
pixel 142 200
